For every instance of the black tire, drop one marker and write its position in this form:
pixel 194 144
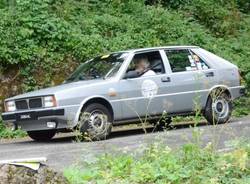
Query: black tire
pixel 42 135
pixel 218 108
pixel 162 123
pixel 95 122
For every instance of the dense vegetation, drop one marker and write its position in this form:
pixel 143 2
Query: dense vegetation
pixel 190 164
pixel 42 41
pixel 46 35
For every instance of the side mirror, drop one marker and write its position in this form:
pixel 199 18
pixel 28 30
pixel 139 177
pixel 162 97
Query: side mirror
pixel 131 74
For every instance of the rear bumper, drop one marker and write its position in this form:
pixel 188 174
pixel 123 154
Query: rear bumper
pixel 243 91
pixel 238 91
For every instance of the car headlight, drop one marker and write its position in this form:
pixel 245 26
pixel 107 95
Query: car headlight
pixel 10 106
pixel 49 101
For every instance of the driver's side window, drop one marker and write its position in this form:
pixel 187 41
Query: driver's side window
pixel 147 64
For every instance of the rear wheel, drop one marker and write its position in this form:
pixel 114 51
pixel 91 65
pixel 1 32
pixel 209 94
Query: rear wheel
pixel 218 108
pixel 95 122
pixel 42 135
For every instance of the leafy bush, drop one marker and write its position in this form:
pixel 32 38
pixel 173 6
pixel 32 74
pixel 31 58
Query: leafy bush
pixel 242 110
pixel 244 5
pixel 174 4
pixel 221 17
pixel 158 164
pixel 6 133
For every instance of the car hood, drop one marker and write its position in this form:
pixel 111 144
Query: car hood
pixel 55 89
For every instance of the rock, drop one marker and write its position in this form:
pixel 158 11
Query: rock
pixel 10 174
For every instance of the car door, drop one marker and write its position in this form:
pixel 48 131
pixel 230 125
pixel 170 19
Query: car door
pixel 187 87
pixel 141 96
pixel 208 76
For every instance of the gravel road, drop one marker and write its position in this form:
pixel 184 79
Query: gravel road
pixel 64 151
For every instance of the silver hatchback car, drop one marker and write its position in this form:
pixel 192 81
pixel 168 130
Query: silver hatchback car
pixel 129 86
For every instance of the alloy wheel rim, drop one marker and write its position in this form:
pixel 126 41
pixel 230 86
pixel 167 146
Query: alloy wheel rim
pixel 97 120
pixel 220 107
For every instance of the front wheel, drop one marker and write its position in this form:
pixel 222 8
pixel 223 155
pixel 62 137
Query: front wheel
pixel 95 122
pixel 42 135
pixel 218 108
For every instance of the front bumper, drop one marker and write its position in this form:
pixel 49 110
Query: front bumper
pixel 33 120
pixel 32 115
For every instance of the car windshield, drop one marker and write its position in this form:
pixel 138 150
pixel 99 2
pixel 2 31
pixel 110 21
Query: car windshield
pixel 105 66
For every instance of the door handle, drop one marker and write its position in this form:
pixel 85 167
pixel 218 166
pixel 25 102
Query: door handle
pixel 165 79
pixel 209 74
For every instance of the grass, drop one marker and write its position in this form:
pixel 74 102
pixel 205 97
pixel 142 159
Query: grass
pixel 160 164
pixel 7 133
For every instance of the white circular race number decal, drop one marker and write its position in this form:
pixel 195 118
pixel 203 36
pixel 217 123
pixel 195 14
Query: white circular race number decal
pixel 149 88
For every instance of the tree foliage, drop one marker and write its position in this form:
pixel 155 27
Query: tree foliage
pixel 46 35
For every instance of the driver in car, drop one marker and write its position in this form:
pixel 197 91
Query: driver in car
pixel 142 67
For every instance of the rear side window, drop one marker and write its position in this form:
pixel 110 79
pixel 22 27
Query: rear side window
pixel 184 60
pixel 200 63
pixel 179 60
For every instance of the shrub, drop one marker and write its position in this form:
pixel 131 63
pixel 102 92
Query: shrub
pixel 221 17
pixel 173 4
pixel 244 5
pixel 6 133
pixel 159 164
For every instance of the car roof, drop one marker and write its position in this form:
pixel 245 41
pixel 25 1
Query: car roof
pixel 157 48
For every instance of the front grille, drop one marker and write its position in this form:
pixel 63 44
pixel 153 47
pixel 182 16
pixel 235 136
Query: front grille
pixel 35 103
pixel 29 103
pixel 21 105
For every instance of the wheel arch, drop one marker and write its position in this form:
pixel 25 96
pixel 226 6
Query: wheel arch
pixel 224 88
pixel 94 99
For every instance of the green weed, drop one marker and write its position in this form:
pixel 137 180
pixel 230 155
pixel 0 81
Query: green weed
pixel 159 164
pixel 7 133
